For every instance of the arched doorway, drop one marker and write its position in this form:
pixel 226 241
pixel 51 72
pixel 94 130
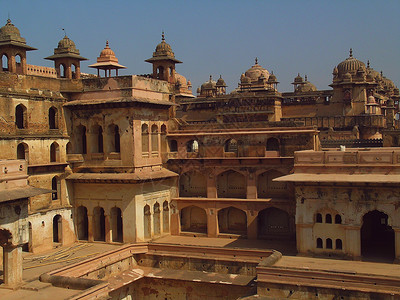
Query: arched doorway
pixel 377 237
pixel 147 221
pixel 57 229
pixel 117 225
pixel 82 223
pixel 193 219
pixel 232 220
pixel 274 223
pixel 99 223
pixel 156 219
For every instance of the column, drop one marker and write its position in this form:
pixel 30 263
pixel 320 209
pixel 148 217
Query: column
pixel 251 186
pixel 90 227
pixel 12 265
pixel 107 228
pixel 252 230
pixel 352 245
pixel 212 222
pixel 211 185
pixel 174 225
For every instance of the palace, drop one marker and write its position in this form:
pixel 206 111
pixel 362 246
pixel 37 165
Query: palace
pixel 129 159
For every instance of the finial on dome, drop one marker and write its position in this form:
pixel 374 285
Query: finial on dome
pixel 220 76
pixel 8 20
pixel 368 63
pixel 210 78
pixel 381 73
pixel 256 61
pixel 107 46
pixel 162 36
pixel 305 77
pixel 65 32
pixel 351 52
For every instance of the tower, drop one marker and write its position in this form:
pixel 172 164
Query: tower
pixel 164 61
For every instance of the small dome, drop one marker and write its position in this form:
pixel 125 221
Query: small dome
pixel 387 83
pixel 10 32
pixel 298 79
pixel 107 52
pixel 350 65
pixel 371 100
pixel 163 48
pixel 335 71
pixel 347 77
pixel 180 79
pixel 66 45
pixel 220 81
pixel 209 85
pixel 198 90
pixel 272 78
pixel 306 86
pixel 256 71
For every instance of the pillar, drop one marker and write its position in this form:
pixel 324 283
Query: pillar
pixel 352 244
pixel 12 265
pixel 107 228
pixel 252 229
pixel 251 186
pixel 212 222
pixel 304 238
pixel 211 186
pixel 90 228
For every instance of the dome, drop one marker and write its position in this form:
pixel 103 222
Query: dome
pixel 256 71
pixel 272 78
pixel 347 77
pixel 298 79
pixel 209 85
pixel 107 52
pixel 371 100
pixel 180 79
pixel 220 81
pixel 350 65
pixel 10 32
pixel 66 45
pixel 306 86
pixel 163 48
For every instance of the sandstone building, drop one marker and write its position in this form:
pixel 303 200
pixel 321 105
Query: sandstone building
pixel 131 158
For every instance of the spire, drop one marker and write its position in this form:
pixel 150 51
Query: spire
pixel 256 60
pixel 351 52
pixel 210 78
pixel 368 64
pixel 162 36
pixel 305 77
pixel 8 20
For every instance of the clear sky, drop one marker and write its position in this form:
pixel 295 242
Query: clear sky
pixel 220 37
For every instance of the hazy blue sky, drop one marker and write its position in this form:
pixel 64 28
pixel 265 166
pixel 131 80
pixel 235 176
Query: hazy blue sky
pixel 219 37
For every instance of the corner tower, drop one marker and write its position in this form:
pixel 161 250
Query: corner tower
pixel 164 61
pixel 67 59
pixel 13 49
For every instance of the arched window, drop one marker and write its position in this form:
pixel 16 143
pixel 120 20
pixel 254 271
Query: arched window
pixel 20 116
pixel 55 188
pixel 145 140
pixel 4 62
pixel 154 138
pixel 116 225
pixel 81 141
pixel 328 219
pixel 22 151
pixel 99 227
pixel 193 146
pixel 156 219
pixel 53 118
pixel 160 73
pixel 147 221
pixel 69 148
pixel 338 219
pixel 165 216
pixel 173 146
pixel 272 144
pixel 319 243
pixel 73 70
pixel 319 218
pixel 62 71
pixel 54 152
pixel 328 244
pixel 163 139
pixel 231 145
pixel 114 139
pixel 18 62
pixel 339 245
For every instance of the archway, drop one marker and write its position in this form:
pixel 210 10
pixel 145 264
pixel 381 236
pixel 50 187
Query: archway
pixel 82 223
pixel 231 184
pixel 165 216
pixel 193 184
pixel 267 188
pixel 22 151
pixel 20 116
pixel 116 225
pixel 99 224
pixel 57 229
pixel 4 62
pixel 377 237
pixel 53 118
pixel 147 222
pixel 274 223
pixel 194 219
pixel 232 220
pixel 156 219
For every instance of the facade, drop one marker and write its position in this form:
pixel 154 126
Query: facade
pixel 132 158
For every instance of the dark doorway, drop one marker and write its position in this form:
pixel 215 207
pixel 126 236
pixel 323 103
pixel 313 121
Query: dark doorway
pixel 82 223
pixel 377 237
pixel 57 229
